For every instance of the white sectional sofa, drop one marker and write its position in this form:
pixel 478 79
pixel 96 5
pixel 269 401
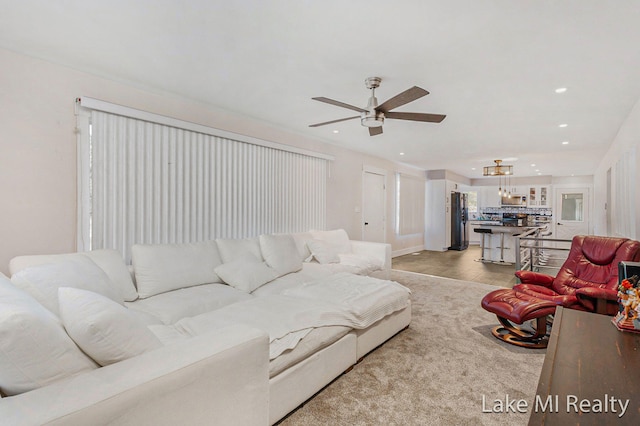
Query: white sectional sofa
pixel 217 332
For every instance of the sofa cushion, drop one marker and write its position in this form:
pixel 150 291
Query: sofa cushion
pixel 104 330
pixel 246 275
pixel 164 267
pixel 338 238
pixel 110 261
pixel 188 302
pixel 323 252
pixel 301 239
pixel 232 250
pixel 318 339
pixel 280 253
pixel 42 281
pixel 34 348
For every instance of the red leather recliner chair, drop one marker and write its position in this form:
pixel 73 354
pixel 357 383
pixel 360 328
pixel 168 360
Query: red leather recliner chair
pixel 587 281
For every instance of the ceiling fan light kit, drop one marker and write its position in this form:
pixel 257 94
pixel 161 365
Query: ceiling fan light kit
pixel 373 115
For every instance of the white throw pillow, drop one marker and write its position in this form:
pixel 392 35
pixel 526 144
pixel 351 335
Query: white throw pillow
pixel 232 250
pixel 246 275
pixel 301 239
pixel 338 238
pixel 323 252
pixel 280 253
pixel 34 348
pixel 112 263
pixel 160 268
pixel 42 281
pixel 104 330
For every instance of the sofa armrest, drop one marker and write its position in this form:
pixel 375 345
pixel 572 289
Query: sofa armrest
pixel 218 378
pixel 379 251
pixel 530 277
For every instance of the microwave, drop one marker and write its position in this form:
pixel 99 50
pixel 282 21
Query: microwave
pixel 515 200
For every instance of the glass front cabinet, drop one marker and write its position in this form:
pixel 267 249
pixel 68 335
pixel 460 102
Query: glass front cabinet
pixel 539 196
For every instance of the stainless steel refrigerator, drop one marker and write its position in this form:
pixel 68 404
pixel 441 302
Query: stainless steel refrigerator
pixel 459 219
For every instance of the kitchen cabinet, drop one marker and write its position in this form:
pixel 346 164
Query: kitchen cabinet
pixel 488 197
pixel 539 196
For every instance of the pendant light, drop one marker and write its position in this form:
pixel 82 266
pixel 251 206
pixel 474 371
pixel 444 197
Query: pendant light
pixel 500 170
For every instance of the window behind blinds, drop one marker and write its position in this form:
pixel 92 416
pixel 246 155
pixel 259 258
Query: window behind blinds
pixel 410 204
pixel 155 183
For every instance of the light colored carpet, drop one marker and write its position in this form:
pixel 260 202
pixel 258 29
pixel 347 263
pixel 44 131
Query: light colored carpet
pixel 434 373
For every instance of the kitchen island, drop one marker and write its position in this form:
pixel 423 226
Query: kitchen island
pixel 500 242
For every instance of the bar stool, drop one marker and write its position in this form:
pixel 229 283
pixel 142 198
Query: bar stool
pixel 502 247
pixel 483 232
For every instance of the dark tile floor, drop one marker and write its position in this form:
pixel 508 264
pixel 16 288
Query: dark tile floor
pixel 461 265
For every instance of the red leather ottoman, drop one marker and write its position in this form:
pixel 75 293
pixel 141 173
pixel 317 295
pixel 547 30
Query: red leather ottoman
pixel 511 306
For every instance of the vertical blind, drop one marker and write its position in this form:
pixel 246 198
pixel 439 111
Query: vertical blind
pixel 624 208
pixel 154 183
pixel 410 204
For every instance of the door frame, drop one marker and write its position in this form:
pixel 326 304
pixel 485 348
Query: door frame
pixel 556 208
pixel 376 171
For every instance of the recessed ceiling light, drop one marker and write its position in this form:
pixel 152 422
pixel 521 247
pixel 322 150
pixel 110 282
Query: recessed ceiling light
pixel 533 165
pixel 336 131
pixel 473 168
pixel 402 153
pixel 565 143
pixel 561 89
pixel 539 174
pixel 537 170
pixel 563 125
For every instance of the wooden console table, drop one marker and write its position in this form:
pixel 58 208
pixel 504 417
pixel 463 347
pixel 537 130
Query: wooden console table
pixel 588 362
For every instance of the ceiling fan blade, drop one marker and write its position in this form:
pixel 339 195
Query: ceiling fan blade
pixel 333 121
pixel 338 103
pixel 400 99
pixel 415 116
pixel 375 131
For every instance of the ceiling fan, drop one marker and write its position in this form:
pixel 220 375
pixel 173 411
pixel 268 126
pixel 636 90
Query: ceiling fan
pixel 373 115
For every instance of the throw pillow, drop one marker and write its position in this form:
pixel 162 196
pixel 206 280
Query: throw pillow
pixel 42 281
pixel 323 252
pixel 104 330
pixel 112 263
pixel 232 250
pixel 34 348
pixel 246 276
pixel 281 253
pixel 338 238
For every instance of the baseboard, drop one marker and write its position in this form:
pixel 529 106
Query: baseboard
pixel 408 250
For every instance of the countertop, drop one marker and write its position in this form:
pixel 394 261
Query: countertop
pixel 515 230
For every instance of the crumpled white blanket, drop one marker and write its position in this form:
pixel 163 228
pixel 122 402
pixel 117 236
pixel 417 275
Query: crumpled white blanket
pixel 361 300
pixel 341 299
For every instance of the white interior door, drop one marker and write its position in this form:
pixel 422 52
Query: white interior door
pixel 373 207
pixel 572 212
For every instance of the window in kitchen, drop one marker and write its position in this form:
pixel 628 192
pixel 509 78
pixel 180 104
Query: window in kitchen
pixel 472 202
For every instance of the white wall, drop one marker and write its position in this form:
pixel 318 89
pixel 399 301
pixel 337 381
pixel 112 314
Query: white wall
pixel 625 140
pixel 38 154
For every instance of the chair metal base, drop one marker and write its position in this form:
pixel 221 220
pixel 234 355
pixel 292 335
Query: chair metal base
pixel 537 339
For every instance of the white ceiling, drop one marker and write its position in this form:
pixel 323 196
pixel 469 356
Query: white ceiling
pixel 491 65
